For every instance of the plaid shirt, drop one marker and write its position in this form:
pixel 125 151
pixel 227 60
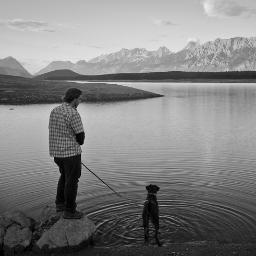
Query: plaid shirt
pixel 65 122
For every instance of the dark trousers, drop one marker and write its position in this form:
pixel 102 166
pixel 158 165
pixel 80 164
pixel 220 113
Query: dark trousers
pixel 70 172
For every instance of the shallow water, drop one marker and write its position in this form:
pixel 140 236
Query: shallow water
pixel 197 143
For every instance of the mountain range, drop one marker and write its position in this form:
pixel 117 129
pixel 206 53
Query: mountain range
pixel 234 54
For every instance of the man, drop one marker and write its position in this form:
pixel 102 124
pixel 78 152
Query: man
pixel 66 134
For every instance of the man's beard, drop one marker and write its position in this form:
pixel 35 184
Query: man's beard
pixel 76 105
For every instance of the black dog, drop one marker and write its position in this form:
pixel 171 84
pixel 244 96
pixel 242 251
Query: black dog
pixel 151 211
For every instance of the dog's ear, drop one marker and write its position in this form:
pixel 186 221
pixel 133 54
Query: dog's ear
pixel 157 188
pixel 147 187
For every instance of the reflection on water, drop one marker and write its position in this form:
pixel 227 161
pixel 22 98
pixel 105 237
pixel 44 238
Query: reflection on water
pixel 197 144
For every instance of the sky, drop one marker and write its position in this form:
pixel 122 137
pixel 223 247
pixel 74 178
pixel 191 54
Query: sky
pixel 36 32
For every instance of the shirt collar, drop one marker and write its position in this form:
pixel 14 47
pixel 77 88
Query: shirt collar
pixel 67 104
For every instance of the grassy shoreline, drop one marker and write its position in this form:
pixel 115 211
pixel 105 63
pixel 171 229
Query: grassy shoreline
pixel 20 91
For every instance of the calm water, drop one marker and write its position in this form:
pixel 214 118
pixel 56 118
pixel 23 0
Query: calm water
pixel 198 144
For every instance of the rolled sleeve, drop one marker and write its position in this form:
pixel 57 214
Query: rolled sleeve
pixel 76 123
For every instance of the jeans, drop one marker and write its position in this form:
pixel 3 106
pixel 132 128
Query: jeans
pixel 70 172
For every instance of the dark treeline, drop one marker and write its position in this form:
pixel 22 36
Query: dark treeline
pixel 171 75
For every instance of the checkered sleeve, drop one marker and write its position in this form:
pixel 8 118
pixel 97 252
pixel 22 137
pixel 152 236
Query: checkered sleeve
pixel 76 123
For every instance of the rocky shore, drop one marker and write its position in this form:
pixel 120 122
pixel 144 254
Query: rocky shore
pixel 20 234
pixel 50 234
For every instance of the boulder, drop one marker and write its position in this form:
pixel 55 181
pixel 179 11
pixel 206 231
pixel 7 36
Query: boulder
pixel 19 218
pixel 17 238
pixel 47 214
pixel 67 234
pixel 5 222
pixel 15 232
pixel 47 218
pixel 2 233
pixel 50 231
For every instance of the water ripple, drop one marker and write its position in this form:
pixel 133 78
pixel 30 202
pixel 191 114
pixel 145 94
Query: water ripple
pixel 199 149
pixel 182 219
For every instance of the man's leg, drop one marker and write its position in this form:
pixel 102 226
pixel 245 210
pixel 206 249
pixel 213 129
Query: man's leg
pixel 72 167
pixel 60 198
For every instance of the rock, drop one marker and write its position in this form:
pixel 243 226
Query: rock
pixel 17 238
pixel 67 233
pixel 19 218
pixel 5 222
pixel 2 232
pixel 15 233
pixel 19 232
pixel 48 213
pixel 47 218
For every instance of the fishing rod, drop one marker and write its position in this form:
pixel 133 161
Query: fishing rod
pixel 109 186
pixel 101 180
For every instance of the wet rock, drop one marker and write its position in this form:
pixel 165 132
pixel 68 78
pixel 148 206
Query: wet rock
pixel 67 233
pixel 47 218
pixel 17 238
pixel 2 233
pixel 19 218
pixel 48 213
pixel 50 231
pixel 5 222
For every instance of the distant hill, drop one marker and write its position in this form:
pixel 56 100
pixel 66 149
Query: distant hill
pixel 59 75
pixel 56 65
pixel 231 76
pixel 10 66
pixel 234 54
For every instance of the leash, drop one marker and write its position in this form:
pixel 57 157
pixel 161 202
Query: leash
pixel 119 195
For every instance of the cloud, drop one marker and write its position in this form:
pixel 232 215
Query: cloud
pixel 226 8
pixel 28 25
pixel 161 22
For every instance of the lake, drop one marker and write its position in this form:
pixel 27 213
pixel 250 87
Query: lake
pixel 198 144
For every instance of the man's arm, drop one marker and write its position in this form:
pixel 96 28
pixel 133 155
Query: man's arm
pixel 80 138
pixel 77 126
